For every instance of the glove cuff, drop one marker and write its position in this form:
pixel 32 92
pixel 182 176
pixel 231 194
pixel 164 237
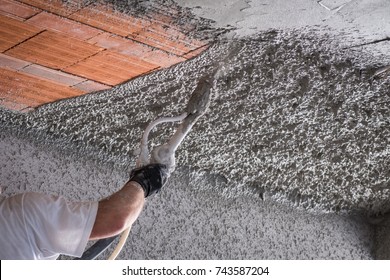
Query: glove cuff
pixel 151 177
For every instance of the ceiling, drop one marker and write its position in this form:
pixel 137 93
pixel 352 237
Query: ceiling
pixel 51 50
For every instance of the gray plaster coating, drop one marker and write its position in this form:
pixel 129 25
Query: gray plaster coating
pixel 240 227
pixel 184 221
pixel 292 117
pixel 361 21
pixel 296 139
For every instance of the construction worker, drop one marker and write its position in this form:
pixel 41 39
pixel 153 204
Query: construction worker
pixel 40 226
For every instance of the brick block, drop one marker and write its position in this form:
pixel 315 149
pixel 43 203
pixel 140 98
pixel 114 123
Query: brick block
pixel 52 75
pixel 2 13
pixel 17 9
pixel 105 18
pixel 60 24
pixel 12 32
pixel 131 48
pixel 20 105
pixel 53 50
pixel 90 86
pixel 166 39
pixel 120 44
pixel 59 7
pixel 111 68
pixel 29 91
pixel 11 62
pixel 162 58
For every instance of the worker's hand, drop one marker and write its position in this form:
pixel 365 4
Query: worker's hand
pixel 151 177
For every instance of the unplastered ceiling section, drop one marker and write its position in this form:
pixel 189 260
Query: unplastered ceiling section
pixel 51 50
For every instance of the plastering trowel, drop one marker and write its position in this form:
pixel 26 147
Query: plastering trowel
pixel 164 154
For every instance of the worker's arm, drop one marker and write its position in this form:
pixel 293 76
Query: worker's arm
pixel 119 211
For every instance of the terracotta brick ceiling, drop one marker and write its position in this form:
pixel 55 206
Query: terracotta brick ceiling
pixel 50 50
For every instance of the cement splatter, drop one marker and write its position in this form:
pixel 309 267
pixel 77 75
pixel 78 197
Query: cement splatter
pixel 294 117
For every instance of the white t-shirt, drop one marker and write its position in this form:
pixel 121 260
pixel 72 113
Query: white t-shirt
pixel 40 226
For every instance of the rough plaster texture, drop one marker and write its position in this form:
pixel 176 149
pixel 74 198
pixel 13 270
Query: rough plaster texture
pixel 298 127
pixel 184 221
pixel 292 117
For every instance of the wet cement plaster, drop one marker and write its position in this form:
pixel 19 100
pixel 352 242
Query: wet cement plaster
pixel 295 144
pixel 186 221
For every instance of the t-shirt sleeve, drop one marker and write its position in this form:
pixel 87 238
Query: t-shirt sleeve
pixel 57 226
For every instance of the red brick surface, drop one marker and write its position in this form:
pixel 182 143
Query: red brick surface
pixel 90 86
pixel 19 105
pixel 161 58
pixel 131 48
pixel 30 91
pixel 52 75
pixel 120 44
pixel 59 24
pixel 11 62
pixel 17 9
pixel 105 18
pixel 13 32
pixel 111 68
pixel 59 7
pixel 170 41
pixel 53 50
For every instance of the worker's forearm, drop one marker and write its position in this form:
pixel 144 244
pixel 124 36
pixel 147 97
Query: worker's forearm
pixel 119 211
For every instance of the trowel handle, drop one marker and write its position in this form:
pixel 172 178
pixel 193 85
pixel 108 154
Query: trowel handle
pixel 143 158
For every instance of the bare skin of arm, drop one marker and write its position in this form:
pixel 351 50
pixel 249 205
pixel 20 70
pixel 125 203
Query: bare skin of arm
pixel 119 211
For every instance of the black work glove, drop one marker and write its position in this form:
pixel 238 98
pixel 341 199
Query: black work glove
pixel 151 177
